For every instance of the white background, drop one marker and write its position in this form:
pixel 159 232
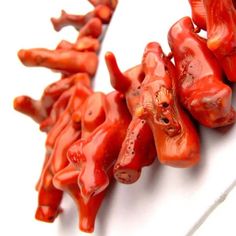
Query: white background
pixel 165 201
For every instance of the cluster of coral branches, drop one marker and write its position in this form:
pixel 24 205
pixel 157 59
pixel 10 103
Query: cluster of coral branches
pixel 93 138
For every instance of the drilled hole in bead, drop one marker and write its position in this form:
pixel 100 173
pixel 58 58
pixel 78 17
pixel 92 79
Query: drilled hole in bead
pixel 165 120
pixel 165 104
pixel 90 113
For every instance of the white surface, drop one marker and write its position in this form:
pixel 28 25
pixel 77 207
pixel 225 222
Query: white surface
pixel 165 201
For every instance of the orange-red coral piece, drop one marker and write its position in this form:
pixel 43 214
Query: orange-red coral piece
pixel 97 153
pixel 176 139
pixel 138 149
pixel 62 60
pixel 200 80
